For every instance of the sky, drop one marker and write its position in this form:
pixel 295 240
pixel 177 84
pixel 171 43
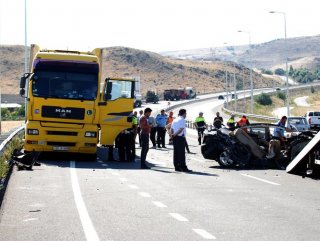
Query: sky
pixel 156 26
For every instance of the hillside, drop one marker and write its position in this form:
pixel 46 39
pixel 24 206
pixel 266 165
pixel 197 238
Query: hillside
pixel 156 72
pixel 301 51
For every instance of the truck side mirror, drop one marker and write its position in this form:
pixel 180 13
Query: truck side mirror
pixel 108 95
pixel 23 80
pixel 22 92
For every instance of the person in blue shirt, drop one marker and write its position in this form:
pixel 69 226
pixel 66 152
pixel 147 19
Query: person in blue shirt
pixel 161 121
pixel 278 133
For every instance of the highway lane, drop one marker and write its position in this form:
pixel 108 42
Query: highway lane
pixel 124 202
pixel 118 201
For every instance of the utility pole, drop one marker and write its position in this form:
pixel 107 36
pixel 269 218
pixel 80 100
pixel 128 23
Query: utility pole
pixel 235 86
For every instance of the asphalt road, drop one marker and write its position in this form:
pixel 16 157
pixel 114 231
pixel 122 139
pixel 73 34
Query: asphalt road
pixel 68 199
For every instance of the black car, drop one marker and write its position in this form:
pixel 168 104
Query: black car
pixel 220 97
pixel 249 147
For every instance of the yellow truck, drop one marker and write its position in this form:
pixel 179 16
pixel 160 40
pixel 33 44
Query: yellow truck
pixel 68 107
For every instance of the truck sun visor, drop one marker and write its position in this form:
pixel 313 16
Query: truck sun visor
pixel 73 66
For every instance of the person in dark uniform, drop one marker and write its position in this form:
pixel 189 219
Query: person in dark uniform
pixel 218 121
pixel 201 125
pixel 161 120
pixel 124 145
pixel 178 134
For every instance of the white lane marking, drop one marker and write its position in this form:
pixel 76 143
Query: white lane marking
pixel 179 217
pixel 123 179
pixel 144 194
pixel 100 161
pixel 260 179
pixel 104 165
pixel 86 222
pixel 204 234
pixel 30 219
pixel 132 186
pixel 159 204
pixel 115 173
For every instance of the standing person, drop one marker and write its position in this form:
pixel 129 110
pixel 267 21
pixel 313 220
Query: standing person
pixel 178 134
pixel 278 133
pixel 200 124
pixel 153 132
pixel 134 134
pixel 243 122
pixel 139 129
pixel 231 123
pixel 169 121
pixel 218 121
pixel 161 121
pixel 145 132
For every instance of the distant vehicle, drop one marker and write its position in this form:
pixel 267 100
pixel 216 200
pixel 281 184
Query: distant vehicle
pixel 313 119
pixel 220 97
pixel 172 94
pixel 297 123
pixel 137 100
pixel 233 96
pixel 180 93
pixel 278 89
pixel 152 97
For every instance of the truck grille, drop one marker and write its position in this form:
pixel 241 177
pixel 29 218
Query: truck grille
pixel 63 113
pixel 62 133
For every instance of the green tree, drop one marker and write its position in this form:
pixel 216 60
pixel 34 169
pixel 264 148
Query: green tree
pixel 291 71
pixel 264 99
pixel 279 71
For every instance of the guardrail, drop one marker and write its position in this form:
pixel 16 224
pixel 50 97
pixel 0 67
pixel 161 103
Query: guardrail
pixel 3 146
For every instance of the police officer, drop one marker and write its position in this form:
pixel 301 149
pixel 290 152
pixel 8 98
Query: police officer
pixel 231 123
pixel 200 125
pixel 161 120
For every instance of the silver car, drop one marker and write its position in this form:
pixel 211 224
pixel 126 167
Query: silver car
pixel 297 123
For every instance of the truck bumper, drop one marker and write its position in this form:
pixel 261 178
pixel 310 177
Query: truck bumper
pixel 60 137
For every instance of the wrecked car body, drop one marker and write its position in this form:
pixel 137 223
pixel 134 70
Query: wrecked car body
pixel 251 146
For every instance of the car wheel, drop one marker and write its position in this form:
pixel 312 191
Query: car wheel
pixel 225 159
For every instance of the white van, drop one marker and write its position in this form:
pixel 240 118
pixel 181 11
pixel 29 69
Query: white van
pixel 313 119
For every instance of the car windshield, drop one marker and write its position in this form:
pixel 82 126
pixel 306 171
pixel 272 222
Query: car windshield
pixel 65 81
pixel 297 121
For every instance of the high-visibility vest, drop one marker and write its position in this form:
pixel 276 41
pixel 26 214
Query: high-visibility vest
pixel 242 122
pixel 200 121
pixel 134 120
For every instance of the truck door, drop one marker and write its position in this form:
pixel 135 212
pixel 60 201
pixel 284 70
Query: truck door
pixel 115 108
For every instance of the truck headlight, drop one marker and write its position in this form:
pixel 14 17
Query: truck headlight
pixel 33 131
pixel 90 134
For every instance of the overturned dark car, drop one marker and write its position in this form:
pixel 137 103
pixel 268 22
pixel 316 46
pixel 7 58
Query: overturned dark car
pixel 254 146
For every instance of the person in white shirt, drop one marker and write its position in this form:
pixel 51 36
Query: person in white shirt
pixel 178 134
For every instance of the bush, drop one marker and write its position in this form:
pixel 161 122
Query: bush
pixel 281 95
pixel 264 99
pixel 6 155
pixel 279 71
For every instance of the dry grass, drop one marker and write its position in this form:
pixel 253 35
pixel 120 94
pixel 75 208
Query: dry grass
pixel 6 126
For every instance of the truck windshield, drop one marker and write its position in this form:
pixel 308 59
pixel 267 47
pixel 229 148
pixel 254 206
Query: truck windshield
pixel 65 85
